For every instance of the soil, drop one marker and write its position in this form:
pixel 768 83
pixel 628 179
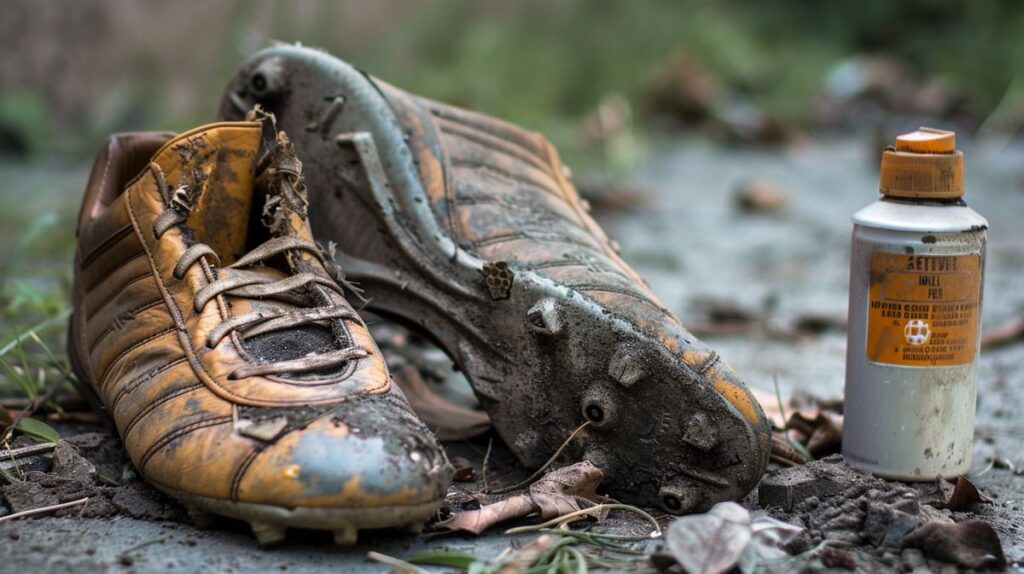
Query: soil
pixel 786 265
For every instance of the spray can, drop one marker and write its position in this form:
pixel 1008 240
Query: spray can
pixel 916 275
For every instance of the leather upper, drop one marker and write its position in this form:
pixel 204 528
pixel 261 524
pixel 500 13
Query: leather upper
pixel 188 423
pixel 503 194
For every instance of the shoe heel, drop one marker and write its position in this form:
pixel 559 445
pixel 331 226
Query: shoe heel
pixel 84 386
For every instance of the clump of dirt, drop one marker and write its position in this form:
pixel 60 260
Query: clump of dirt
pixel 88 465
pixel 847 513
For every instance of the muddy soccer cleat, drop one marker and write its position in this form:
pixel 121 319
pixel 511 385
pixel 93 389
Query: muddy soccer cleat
pixel 469 229
pixel 212 330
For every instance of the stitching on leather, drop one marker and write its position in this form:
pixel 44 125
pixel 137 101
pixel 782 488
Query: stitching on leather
pixel 190 354
pixel 594 287
pixel 560 263
pixel 110 272
pixel 240 472
pixel 566 186
pixel 553 238
pixel 476 136
pixel 428 120
pixel 141 379
pixel 708 363
pixel 123 353
pixel 159 401
pixel 117 292
pixel 178 433
pixel 113 238
pixel 463 117
pixel 511 201
pixel 132 312
pixel 507 175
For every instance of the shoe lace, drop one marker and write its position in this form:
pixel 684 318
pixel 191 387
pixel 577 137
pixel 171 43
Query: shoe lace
pixel 245 282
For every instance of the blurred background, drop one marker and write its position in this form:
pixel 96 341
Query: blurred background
pixel 745 132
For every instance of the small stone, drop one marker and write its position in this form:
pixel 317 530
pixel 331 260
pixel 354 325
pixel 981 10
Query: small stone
pixel 68 463
pixel 759 196
pixel 788 487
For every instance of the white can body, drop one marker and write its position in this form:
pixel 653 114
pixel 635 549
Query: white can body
pixel 909 422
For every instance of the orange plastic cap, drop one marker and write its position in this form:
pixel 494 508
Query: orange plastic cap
pixel 925 164
pixel 927 140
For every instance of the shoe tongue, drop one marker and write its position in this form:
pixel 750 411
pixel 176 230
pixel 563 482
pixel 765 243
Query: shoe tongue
pixel 215 164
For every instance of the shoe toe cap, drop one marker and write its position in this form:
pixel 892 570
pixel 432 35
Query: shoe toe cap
pixel 340 463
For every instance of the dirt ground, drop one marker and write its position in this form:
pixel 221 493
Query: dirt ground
pixel 697 249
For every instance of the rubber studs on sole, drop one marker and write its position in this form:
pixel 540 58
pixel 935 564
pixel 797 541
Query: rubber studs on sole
pixel 346 536
pixel 201 519
pixel 268 534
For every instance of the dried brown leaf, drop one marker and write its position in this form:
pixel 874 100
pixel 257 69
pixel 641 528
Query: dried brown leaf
pixel 821 431
pixel 557 493
pixel 567 489
pixel 964 495
pixel 710 543
pixel 827 435
pixel 973 544
pixel 447 420
pixel 479 520
pixel 464 473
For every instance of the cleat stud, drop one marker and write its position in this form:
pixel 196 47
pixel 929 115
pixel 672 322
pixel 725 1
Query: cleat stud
pixel 268 534
pixel 346 536
pixel 625 367
pixel 543 317
pixel 200 518
pixel 699 431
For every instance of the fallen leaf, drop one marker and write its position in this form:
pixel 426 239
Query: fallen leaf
pixel 964 495
pixel 827 435
pixel 479 520
pixel 559 492
pixel 446 419
pixel 464 471
pixel 973 544
pixel 710 543
pixel 567 489
pixel 37 429
pixel 821 430
pixel 784 453
pixel 773 533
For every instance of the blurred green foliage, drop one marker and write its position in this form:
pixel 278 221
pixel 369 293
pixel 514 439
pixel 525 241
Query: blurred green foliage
pixel 539 62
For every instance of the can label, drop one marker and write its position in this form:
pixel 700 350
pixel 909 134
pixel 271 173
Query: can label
pixel 923 309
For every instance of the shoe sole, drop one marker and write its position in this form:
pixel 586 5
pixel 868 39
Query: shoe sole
pixel 269 522
pixel 540 359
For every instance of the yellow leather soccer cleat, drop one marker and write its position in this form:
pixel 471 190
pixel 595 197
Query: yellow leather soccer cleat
pixel 215 334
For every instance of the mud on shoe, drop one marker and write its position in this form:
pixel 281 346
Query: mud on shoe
pixel 471 231
pixel 210 328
